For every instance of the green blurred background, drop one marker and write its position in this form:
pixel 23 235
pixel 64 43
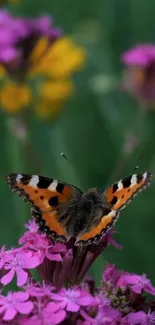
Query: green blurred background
pixel 101 130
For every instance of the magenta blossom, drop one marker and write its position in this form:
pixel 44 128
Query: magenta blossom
pixel 14 303
pixel 17 265
pixel 140 72
pixel 141 317
pixel 73 299
pixel 136 282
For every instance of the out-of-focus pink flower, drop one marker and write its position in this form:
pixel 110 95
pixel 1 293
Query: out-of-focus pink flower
pixel 15 303
pixel 17 265
pixel 139 77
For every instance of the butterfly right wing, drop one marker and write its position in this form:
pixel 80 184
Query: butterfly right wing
pixel 45 196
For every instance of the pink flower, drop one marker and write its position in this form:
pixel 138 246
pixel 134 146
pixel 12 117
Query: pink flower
pixel 30 235
pixel 140 73
pixel 38 290
pixel 73 299
pixel 5 256
pixel 43 249
pixel 52 314
pixel 137 283
pixel 111 274
pixel 17 265
pixel 107 316
pixel 141 318
pixel 15 303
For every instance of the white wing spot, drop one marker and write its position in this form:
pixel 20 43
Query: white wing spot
pixel 133 180
pixel 112 213
pixel 34 181
pixel 145 175
pixel 120 185
pixel 53 186
pixel 19 176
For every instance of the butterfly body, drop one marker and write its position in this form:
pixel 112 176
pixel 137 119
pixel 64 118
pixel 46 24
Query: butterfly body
pixel 63 211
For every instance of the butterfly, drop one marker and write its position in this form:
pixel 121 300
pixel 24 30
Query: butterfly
pixel 63 211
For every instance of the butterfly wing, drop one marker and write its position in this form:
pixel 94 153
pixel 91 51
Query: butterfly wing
pixel 122 192
pixel 116 198
pixel 45 195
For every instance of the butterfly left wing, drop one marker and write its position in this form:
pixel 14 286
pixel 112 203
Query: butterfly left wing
pixel 45 195
pixel 116 197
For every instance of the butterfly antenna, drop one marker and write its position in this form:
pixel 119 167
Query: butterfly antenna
pixel 135 169
pixel 64 156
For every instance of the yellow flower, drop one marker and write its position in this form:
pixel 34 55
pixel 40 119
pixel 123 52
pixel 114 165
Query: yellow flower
pixel 54 63
pixel 60 60
pixel 52 95
pixel 14 96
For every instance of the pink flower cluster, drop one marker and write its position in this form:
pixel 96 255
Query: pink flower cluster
pixel 15 32
pixel 139 74
pixel 64 297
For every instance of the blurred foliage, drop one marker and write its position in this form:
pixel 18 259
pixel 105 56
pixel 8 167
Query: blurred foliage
pixel 103 132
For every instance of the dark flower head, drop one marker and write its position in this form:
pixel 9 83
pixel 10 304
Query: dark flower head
pixel 140 73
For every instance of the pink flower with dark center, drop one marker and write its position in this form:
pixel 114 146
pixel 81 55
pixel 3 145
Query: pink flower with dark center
pixel 137 283
pixel 15 303
pixel 140 73
pixel 73 299
pixel 17 265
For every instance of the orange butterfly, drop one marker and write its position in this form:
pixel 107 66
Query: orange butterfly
pixel 62 210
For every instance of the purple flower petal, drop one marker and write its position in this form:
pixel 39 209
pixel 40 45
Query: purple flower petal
pixel 73 307
pixel 22 277
pixel 10 313
pixel 24 307
pixel 136 318
pixel 8 277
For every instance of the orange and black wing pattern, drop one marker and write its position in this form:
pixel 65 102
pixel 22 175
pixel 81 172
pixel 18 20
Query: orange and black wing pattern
pixel 116 197
pixel 122 192
pixel 45 195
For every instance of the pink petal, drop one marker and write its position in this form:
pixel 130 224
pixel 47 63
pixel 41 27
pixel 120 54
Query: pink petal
pixel 136 318
pixel 10 313
pixel 58 248
pixel 71 306
pixel 58 317
pixel 21 296
pixel 54 257
pixel 51 307
pixel 32 262
pixel 22 277
pixel 24 307
pixel 2 309
pixel 8 277
pixel 87 301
